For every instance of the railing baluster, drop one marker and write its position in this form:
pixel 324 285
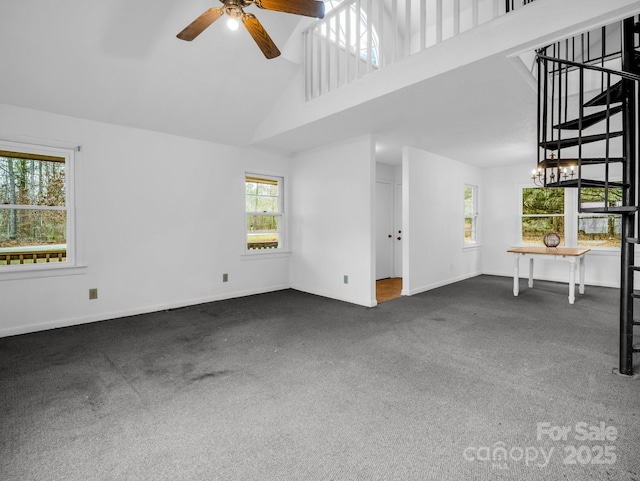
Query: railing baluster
pixel 394 30
pixel 423 24
pixel 384 36
pixel 380 29
pixel 369 38
pixel 407 28
pixel 318 59
pixel 307 74
pixel 456 17
pixel 474 13
pixel 336 49
pixel 438 21
pixel 347 43
pixel 358 37
pixel 327 60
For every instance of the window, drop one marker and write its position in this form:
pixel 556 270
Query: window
pixel 542 212
pixel 599 230
pixel 556 210
pixel 36 214
pixel 470 214
pixel 356 45
pixel 264 212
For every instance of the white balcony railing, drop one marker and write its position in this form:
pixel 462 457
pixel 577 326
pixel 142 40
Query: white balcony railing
pixel 358 37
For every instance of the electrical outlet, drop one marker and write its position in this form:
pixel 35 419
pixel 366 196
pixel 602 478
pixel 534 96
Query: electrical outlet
pixel 93 293
pixel 346 279
pixel 225 277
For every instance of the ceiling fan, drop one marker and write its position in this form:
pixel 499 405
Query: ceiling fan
pixel 234 8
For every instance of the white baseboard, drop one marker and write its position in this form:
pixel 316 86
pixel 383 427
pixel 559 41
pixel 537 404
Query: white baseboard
pixel 330 295
pixel 103 316
pixel 435 285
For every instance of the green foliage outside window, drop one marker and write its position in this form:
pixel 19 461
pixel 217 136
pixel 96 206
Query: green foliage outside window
pixel 599 230
pixel 29 182
pixel 542 212
pixel 263 208
pixel 470 214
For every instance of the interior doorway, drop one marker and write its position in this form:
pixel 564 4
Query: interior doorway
pixel 388 289
pixel 384 230
pixel 388 241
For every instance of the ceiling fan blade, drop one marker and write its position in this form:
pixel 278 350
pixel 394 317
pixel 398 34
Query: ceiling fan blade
pixel 309 8
pixel 260 35
pixel 198 26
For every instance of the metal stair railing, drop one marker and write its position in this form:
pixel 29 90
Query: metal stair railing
pixel 562 88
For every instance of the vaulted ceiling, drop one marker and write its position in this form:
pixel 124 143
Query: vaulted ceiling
pixel 119 61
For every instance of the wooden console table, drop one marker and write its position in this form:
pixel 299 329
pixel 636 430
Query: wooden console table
pixel 574 255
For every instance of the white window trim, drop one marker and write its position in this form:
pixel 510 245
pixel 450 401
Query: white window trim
pixel 73 265
pixel 521 215
pixel 282 250
pixel 570 220
pixel 475 218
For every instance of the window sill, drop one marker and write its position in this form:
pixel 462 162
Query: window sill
pixel 471 247
pixel 248 256
pixel 37 272
pixel 604 251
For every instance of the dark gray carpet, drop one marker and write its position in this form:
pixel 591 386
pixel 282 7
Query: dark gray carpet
pixel 451 384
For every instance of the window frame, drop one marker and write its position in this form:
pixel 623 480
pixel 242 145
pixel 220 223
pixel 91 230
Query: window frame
pixel 473 217
pixel 587 215
pixel 566 236
pixel 571 216
pixel 282 214
pixel 72 264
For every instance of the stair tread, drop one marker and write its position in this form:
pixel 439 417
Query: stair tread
pixel 610 210
pixel 615 95
pixel 575 162
pixel 573 141
pixel 584 183
pixel 589 120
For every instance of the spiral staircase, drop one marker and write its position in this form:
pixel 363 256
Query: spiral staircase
pixel 588 139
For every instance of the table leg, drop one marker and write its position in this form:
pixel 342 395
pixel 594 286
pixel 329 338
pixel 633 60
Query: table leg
pixel 516 274
pixel 531 272
pixel 572 281
pixel 582 275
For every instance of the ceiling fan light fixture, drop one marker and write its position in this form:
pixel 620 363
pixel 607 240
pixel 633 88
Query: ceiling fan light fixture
pixel 234 9
pixel 233 23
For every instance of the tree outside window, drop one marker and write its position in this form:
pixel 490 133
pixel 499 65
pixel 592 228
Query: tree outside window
pixel 264 211
pixel 599 230
pixel 33 207
pixel 470 214
pixel 542 212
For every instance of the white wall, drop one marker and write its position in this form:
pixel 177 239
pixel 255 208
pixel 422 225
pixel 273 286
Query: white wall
pixel 501 222
pixel 160 219
pixel 332 201
pixel 433 213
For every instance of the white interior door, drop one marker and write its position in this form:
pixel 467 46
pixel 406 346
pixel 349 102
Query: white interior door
pixel 397 234
pixel 384 230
